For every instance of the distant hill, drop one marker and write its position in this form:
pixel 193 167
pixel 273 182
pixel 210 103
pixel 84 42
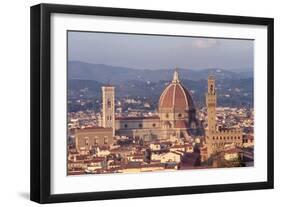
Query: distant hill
pixel 231 92
pixel 85 81
pixel 115 74
pixel 82 84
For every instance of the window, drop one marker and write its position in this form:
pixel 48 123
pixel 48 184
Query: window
pixel 167 115
pixel 154 125
pixel 105 139
pixel 125 125
pixel 211 89
pixel 140 125
pixel 108 104
pixel 86 141
pixel 179 115
pixel 95 140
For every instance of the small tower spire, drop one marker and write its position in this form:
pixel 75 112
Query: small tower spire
pixel 176 76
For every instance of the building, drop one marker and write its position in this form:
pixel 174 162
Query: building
pixel 108 107
pixel 176 117
pixel 170 139
pixel 217 138
pixel 88 138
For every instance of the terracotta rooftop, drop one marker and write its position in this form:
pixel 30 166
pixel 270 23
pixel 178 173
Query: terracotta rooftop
pixel 181 124
pixel 176 96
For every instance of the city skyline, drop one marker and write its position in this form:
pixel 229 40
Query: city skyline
pixel 131 121
pixel 176 136
pixel 158 52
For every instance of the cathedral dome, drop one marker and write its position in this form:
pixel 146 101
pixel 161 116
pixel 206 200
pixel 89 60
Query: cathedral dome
pixel 176 96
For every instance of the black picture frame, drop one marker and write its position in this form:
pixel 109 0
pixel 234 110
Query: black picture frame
pixel 41 99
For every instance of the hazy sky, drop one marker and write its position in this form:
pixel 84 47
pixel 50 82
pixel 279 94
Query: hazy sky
pixel 156 52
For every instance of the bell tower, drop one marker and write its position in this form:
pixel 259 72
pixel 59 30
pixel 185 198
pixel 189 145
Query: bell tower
pixel 108 107
pixel 211 102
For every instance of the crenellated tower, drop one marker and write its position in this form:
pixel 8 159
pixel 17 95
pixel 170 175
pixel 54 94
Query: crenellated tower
pixel 217 138
pixel 211 103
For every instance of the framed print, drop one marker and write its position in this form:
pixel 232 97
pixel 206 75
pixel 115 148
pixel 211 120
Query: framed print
pixel 132 103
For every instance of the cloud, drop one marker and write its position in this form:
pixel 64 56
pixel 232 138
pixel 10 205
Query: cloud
pixel 205 43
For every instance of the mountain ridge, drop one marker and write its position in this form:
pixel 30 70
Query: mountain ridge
pixel 115 74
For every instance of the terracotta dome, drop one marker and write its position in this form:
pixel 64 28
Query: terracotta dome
pixel 176 96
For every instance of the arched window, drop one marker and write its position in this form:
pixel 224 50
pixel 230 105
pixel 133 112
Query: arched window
pixel 211 88
pixel 105 139
pixel 108 103
pixel 96 140
pixel 86 141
